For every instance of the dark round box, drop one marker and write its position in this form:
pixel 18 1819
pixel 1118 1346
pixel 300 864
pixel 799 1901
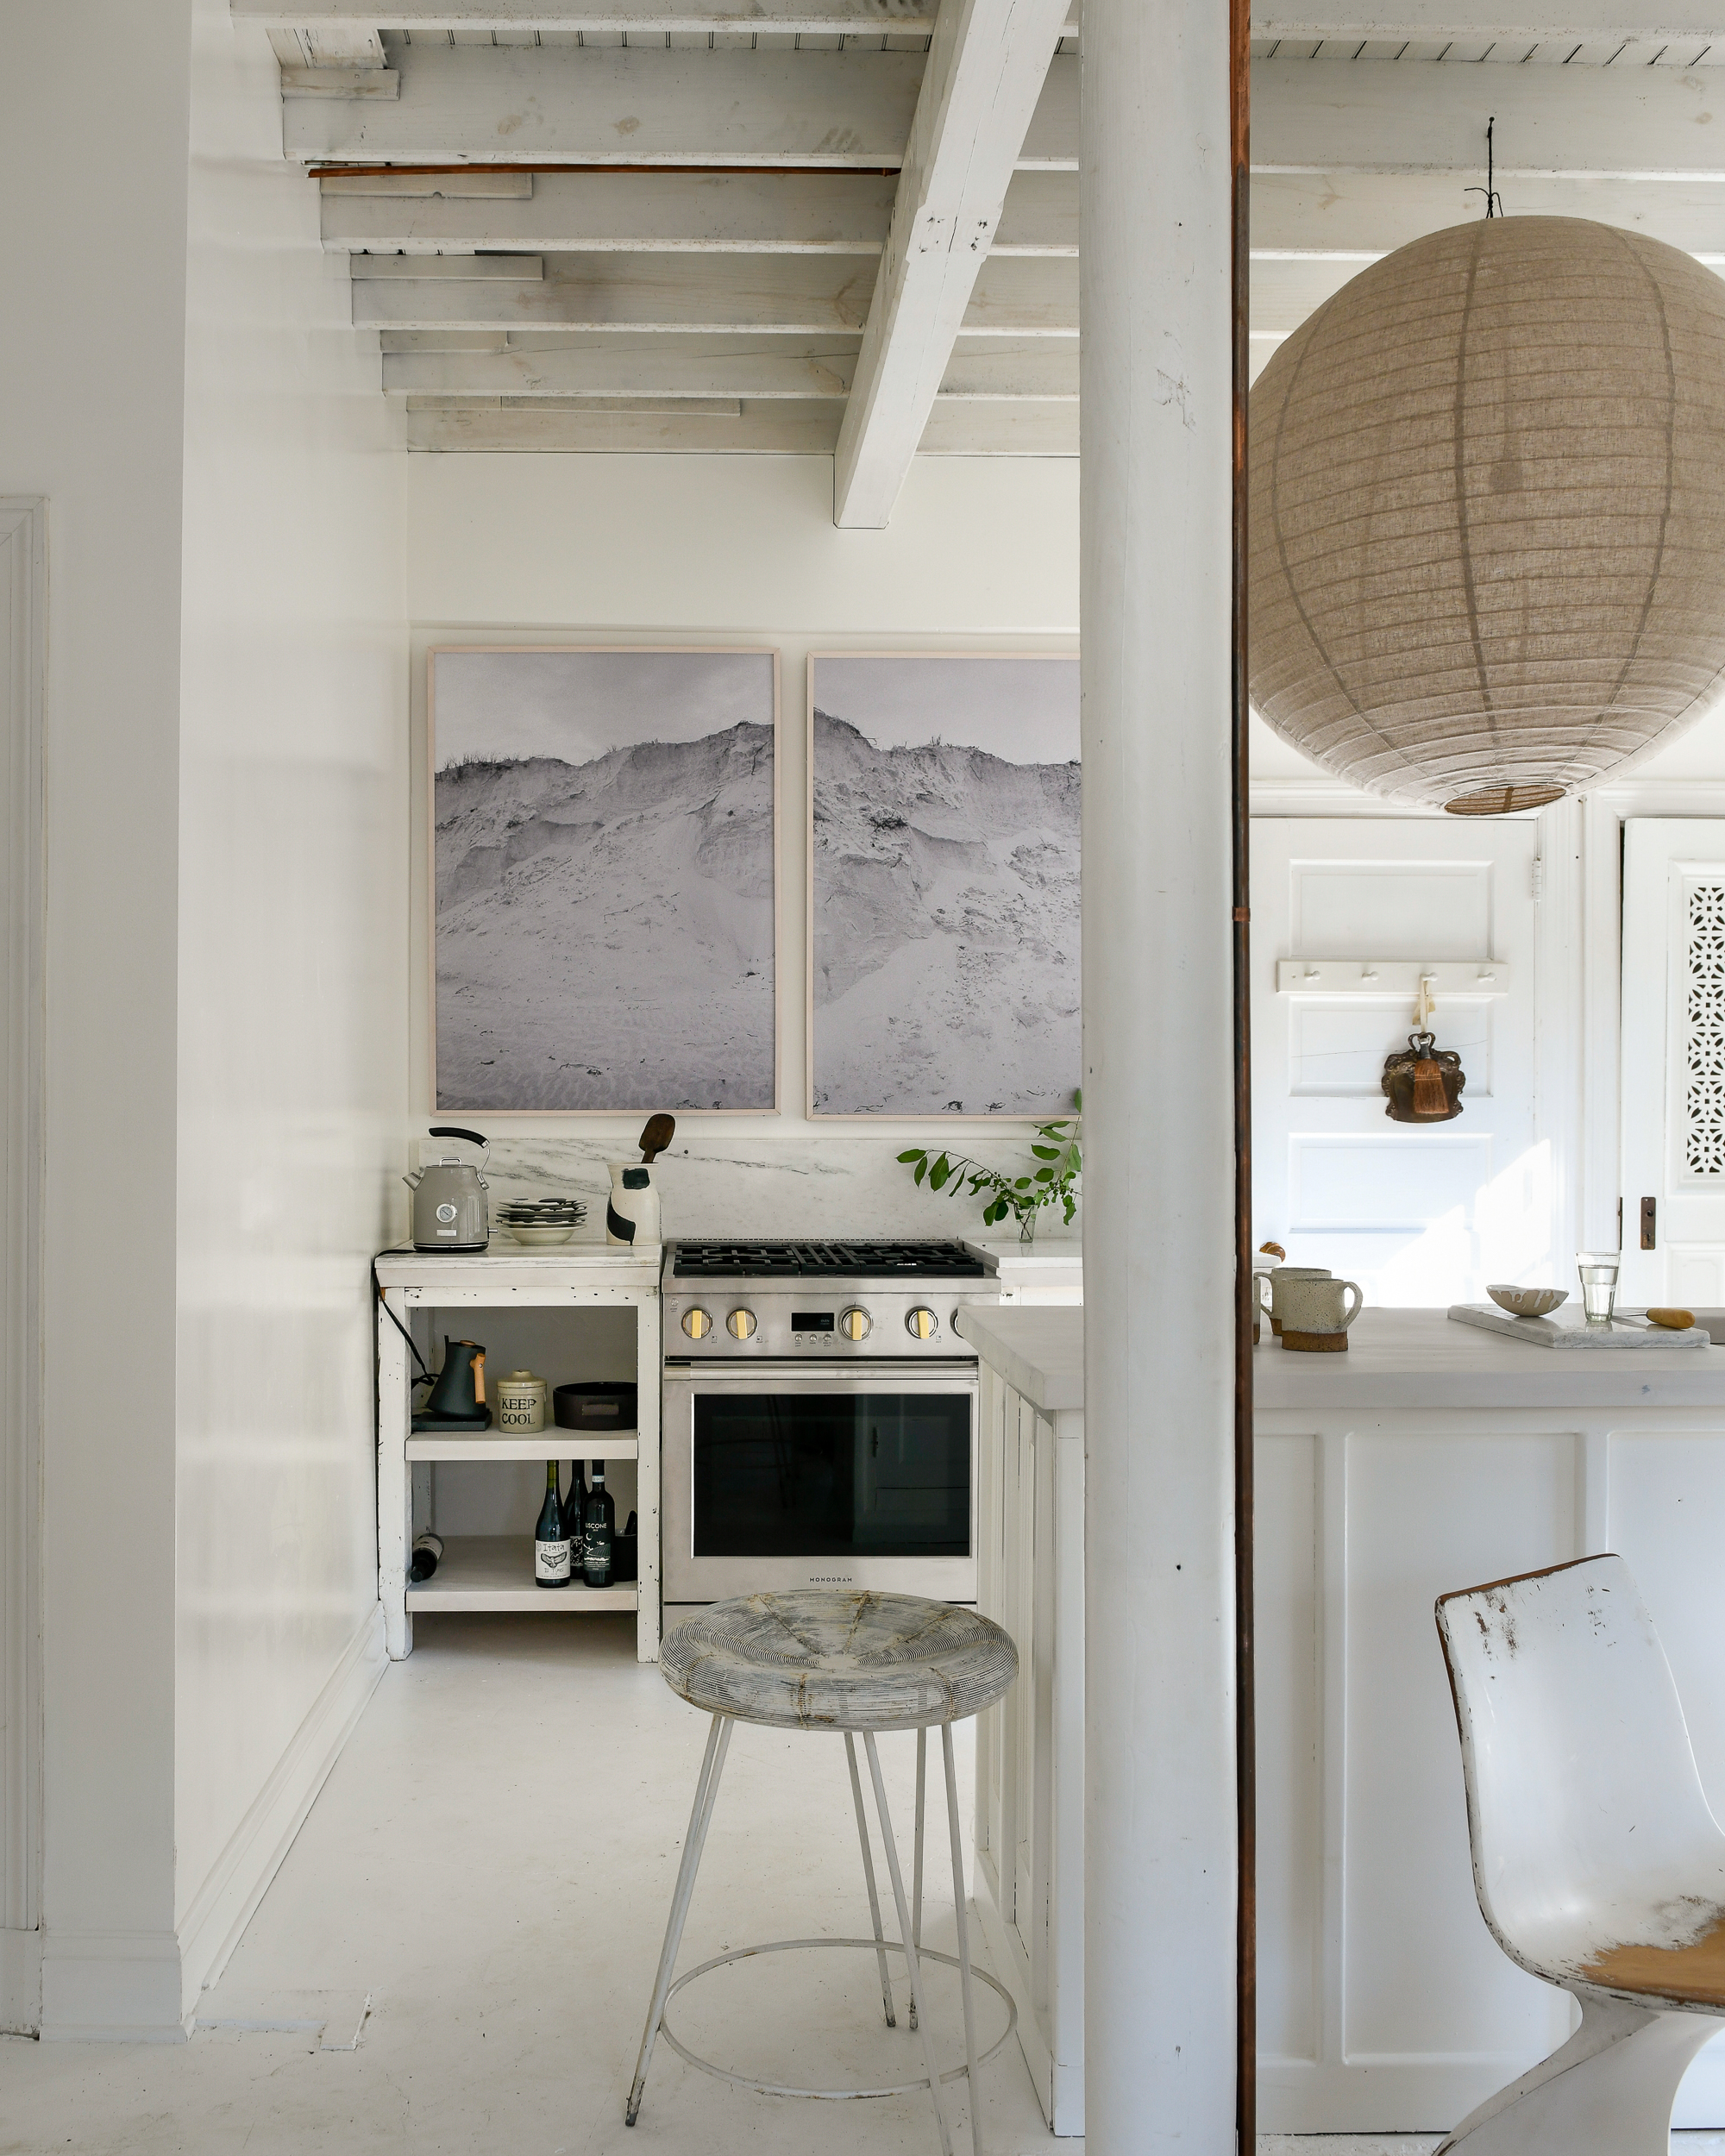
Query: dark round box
pixel 595 1406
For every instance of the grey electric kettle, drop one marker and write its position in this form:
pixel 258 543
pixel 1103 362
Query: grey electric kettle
pixel 450 1209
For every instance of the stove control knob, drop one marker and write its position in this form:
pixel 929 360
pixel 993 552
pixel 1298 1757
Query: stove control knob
pixel 855 1324
pixel 921 1323
pixel 741 1324
pixel 697 1324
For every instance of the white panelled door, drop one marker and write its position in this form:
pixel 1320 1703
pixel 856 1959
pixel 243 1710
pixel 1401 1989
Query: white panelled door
pixel 1673 1080
pixel 1417 1215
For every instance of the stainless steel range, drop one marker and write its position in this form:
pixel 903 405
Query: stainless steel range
pixel 819 1418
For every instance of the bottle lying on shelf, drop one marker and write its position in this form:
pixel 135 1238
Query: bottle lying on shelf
pixel 597 1529
pixel 550 1538
pixel 427 1550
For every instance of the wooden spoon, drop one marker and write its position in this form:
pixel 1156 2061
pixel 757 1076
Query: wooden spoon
pixel 658 1134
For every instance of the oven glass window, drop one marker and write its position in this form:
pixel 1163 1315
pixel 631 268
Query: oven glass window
pixel 806 1475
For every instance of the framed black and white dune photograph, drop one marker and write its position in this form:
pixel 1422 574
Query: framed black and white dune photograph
pixel 943 848
pixel 604 906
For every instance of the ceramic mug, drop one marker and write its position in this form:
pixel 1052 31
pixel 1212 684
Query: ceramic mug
pixel 1283 1278
pixel 1317 1313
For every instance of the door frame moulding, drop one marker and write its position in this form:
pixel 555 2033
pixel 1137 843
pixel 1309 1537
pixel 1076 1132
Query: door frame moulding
pixel 23 616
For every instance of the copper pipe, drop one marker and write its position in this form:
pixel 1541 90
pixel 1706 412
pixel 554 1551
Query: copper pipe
pixel 1245 1286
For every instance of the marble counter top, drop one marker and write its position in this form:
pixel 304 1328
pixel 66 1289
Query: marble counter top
pixel 1396 1359
pixel 1420 1359
pixel 1038 1350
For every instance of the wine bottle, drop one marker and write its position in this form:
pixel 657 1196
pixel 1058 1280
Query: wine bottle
pixel 550 1538
pixel 600 1523
pixel 427 1550
pixel 574 1518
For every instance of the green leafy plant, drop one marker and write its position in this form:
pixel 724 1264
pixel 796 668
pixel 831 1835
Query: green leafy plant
pixel 1054 1181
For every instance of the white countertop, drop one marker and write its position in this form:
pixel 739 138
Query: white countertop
pixel 1396 1359
pixel 1038 1348
pixel 1060 1255
pixel 501 1260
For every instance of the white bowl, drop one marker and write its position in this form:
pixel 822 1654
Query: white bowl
pixel 1526 1302
pixel 538 1239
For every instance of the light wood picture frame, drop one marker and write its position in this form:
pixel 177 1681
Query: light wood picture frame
pixel 942 961
pixel 602 878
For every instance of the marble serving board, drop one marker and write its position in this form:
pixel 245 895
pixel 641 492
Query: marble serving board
pixel 1567 1327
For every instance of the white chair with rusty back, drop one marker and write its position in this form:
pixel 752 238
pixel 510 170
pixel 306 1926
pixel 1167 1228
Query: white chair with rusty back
pixel 1598 1865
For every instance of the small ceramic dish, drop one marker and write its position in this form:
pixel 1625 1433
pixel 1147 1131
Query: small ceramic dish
pixel 538 1238
pixel 1526 1302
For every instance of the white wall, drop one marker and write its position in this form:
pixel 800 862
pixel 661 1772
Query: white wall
pixel 980 552
pixel 93 120
pixel 293 1003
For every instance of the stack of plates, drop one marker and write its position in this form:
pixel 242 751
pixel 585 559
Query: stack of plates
pixel 541 1222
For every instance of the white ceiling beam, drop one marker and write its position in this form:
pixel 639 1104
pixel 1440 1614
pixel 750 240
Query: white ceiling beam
pixel 859 18
pixel 628 105
pixel 340 82
pixel 689 213
pixel 987 64
pixel 683 213
pixel 1589 21
pixel 710 295
pixel 692 367
pixel 1556 122
pixel 749 430
pixel 1372 214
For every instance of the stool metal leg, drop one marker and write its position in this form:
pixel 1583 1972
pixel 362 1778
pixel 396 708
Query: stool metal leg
pixel 868 1874
pixel 916 1860
pixel 911 1957
pixel 706 1791
pixel 964 1938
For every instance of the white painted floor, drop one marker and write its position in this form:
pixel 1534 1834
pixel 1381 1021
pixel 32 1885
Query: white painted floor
pixel 492 1860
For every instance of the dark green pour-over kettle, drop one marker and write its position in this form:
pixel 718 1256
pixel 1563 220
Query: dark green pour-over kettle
pixel 457 1400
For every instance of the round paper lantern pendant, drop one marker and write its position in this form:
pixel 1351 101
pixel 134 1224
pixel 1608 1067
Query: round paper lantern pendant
pixel 1488 514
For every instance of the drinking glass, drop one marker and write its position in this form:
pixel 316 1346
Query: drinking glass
pixel 1598 1270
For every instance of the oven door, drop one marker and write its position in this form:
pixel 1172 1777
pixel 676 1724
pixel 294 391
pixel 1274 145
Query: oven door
pixel 788 1476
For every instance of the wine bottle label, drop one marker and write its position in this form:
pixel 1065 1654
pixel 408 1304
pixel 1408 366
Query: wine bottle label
pixel 596 1557
pixel 550 1560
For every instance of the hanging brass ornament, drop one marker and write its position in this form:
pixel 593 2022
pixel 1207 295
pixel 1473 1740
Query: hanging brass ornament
pixel 1488 514
pixel 1423 1081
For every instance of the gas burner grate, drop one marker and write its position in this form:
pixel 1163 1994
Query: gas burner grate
pixel 804 1261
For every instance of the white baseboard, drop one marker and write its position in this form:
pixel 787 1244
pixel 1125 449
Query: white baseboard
pixel 21 1983
pixel 223 1906
pixel 111 1987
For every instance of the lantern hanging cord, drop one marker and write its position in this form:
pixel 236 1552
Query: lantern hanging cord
pixel 1494 200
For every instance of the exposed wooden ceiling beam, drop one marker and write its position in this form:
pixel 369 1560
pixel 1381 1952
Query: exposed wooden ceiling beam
pixel 1371 214
pixel 660 367
pixel 1387 116
pixel 987 64
pixel 709 295
pixel 1423 22
pixel 626 106
pixel 801 17
pixel 684 213
pixel 954 428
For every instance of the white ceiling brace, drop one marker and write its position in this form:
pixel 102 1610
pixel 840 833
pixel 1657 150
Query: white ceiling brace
pixel 859 18
pixel 1558 122
pixel 1588 22
pixel 987 63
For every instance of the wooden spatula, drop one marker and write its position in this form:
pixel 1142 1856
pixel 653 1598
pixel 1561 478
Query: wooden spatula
pixel 658 1134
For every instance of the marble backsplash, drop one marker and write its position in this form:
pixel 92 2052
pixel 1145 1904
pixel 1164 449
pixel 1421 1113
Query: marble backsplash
pixel 736 1183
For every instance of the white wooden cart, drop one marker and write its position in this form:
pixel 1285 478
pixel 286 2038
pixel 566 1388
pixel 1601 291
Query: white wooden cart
pixel 488 1572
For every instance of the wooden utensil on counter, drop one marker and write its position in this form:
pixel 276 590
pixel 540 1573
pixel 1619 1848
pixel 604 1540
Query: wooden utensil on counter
pixel 658 1134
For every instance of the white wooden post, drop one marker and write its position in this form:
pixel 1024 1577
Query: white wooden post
pixel 1158 1264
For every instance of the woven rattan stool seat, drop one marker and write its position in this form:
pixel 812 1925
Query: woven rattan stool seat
pixel 826 1658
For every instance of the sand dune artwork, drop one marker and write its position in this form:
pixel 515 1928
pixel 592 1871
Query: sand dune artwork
pixel 944 947
pixel 603 844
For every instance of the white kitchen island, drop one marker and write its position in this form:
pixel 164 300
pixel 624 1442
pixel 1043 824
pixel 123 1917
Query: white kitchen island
pixel 1431 1456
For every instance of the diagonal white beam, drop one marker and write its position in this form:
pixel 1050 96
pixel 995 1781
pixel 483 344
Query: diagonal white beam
pixel 987 62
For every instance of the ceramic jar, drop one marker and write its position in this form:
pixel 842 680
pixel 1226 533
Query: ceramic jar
pixel 632 1213
pixel 520 1403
